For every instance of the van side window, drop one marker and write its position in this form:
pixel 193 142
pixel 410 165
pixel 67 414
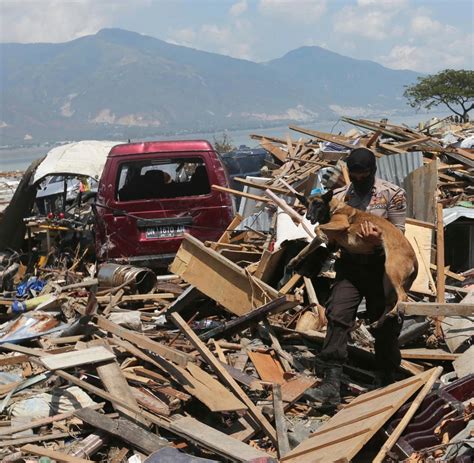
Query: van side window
pixel 152 179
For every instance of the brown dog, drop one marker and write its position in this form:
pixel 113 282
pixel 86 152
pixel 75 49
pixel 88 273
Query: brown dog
pixel 343 224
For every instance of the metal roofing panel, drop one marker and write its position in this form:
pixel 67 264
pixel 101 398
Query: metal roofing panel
pixel 395 167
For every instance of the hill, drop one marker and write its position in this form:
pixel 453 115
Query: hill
pixel 120 84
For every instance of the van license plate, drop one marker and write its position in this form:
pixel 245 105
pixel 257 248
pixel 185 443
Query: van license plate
pixel 165 231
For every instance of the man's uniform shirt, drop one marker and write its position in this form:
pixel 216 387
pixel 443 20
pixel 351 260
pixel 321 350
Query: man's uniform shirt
pixel 384 200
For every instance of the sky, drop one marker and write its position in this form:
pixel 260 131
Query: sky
pixel 421 35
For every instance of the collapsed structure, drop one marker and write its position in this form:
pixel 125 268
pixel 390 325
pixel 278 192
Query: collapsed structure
pixel 210 361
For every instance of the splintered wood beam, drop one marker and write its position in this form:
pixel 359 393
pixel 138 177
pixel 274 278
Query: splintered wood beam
pixel 54 454
pixel 279 153
pixel 125 430
pixel 278 305
pixel 435 309
pixel 240 193
pixel 143 341
pixel 222 373
pixel 280 424
pixel 326 137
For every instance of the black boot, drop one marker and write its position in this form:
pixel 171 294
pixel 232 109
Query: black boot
pixel 328 392
pixel 384 377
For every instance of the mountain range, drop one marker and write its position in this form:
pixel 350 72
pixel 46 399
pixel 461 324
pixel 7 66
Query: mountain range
pixel 119 84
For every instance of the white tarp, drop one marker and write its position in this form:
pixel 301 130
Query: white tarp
pixel 80 158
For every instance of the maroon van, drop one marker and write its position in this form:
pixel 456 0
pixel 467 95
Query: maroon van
pixel 151 193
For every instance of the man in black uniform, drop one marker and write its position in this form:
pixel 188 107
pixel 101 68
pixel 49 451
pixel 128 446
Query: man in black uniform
pixel 359 276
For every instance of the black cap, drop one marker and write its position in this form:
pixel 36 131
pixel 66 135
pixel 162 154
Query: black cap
pixel 361 159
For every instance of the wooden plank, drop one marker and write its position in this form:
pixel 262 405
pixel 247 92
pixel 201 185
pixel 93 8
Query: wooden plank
pixel 124 430
pixel 203 386
pixel 291 283
pixel 60 457
pixel 13 360
pixel 217 441
pixel 225 237
pixel 225 399
pixel 280 423
pixel 421 186
pixel 268 368
pixel 240 193
pixel 31 439
pixel 224 375
pixel 219 278
pixel 339 438
pixel 76 358
pixel 342 141
pixel 293 389
pixel 261 186
pixel 419 223
pixel 428 354
pixel 440 277
pixel 42 421
pixel 281 304
pixel 144 342
pixel 114 382
pixel 435 309
pixel 448 273
pixel 397 432
pixel 280 154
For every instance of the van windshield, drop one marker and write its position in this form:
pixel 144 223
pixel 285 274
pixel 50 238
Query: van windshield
pixel 162 178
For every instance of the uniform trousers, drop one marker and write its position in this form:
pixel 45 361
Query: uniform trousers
pixel 358 277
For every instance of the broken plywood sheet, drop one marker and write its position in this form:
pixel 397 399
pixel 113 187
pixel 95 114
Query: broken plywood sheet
pixel 267 366
pixel 219 278
pixel 350 429
pixel 203 386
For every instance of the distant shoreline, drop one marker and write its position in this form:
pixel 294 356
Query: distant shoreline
pixel 18 158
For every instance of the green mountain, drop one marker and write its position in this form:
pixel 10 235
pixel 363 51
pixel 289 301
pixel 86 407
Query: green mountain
pixel 120 84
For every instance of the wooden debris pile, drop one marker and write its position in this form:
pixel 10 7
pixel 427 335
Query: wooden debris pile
pixel 212 362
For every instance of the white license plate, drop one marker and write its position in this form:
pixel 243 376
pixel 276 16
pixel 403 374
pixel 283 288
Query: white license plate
pixel 164 231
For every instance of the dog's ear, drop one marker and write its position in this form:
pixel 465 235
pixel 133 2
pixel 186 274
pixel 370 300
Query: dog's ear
pixel 303 199
pixel 327 196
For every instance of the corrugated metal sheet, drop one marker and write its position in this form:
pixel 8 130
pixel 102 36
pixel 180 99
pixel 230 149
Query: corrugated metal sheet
pixel 395 167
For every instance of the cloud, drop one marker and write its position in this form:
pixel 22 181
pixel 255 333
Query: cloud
pixel 305 11
pixel 185 36
pixel 423 25
pixel 57 20
pixel 238 8
pixel 235 39
pixel 432 56
pixel 371 23
pixel 383 4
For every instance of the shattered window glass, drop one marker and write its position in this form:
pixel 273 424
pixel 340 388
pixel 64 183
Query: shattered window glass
pixel 162 179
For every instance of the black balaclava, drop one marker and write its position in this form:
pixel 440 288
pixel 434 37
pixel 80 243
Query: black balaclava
pixel 360 160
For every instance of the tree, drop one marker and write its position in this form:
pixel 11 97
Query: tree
pixel 455 89
pixel 223 143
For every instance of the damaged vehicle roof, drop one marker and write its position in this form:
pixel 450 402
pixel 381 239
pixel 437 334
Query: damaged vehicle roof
pixel 79 158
